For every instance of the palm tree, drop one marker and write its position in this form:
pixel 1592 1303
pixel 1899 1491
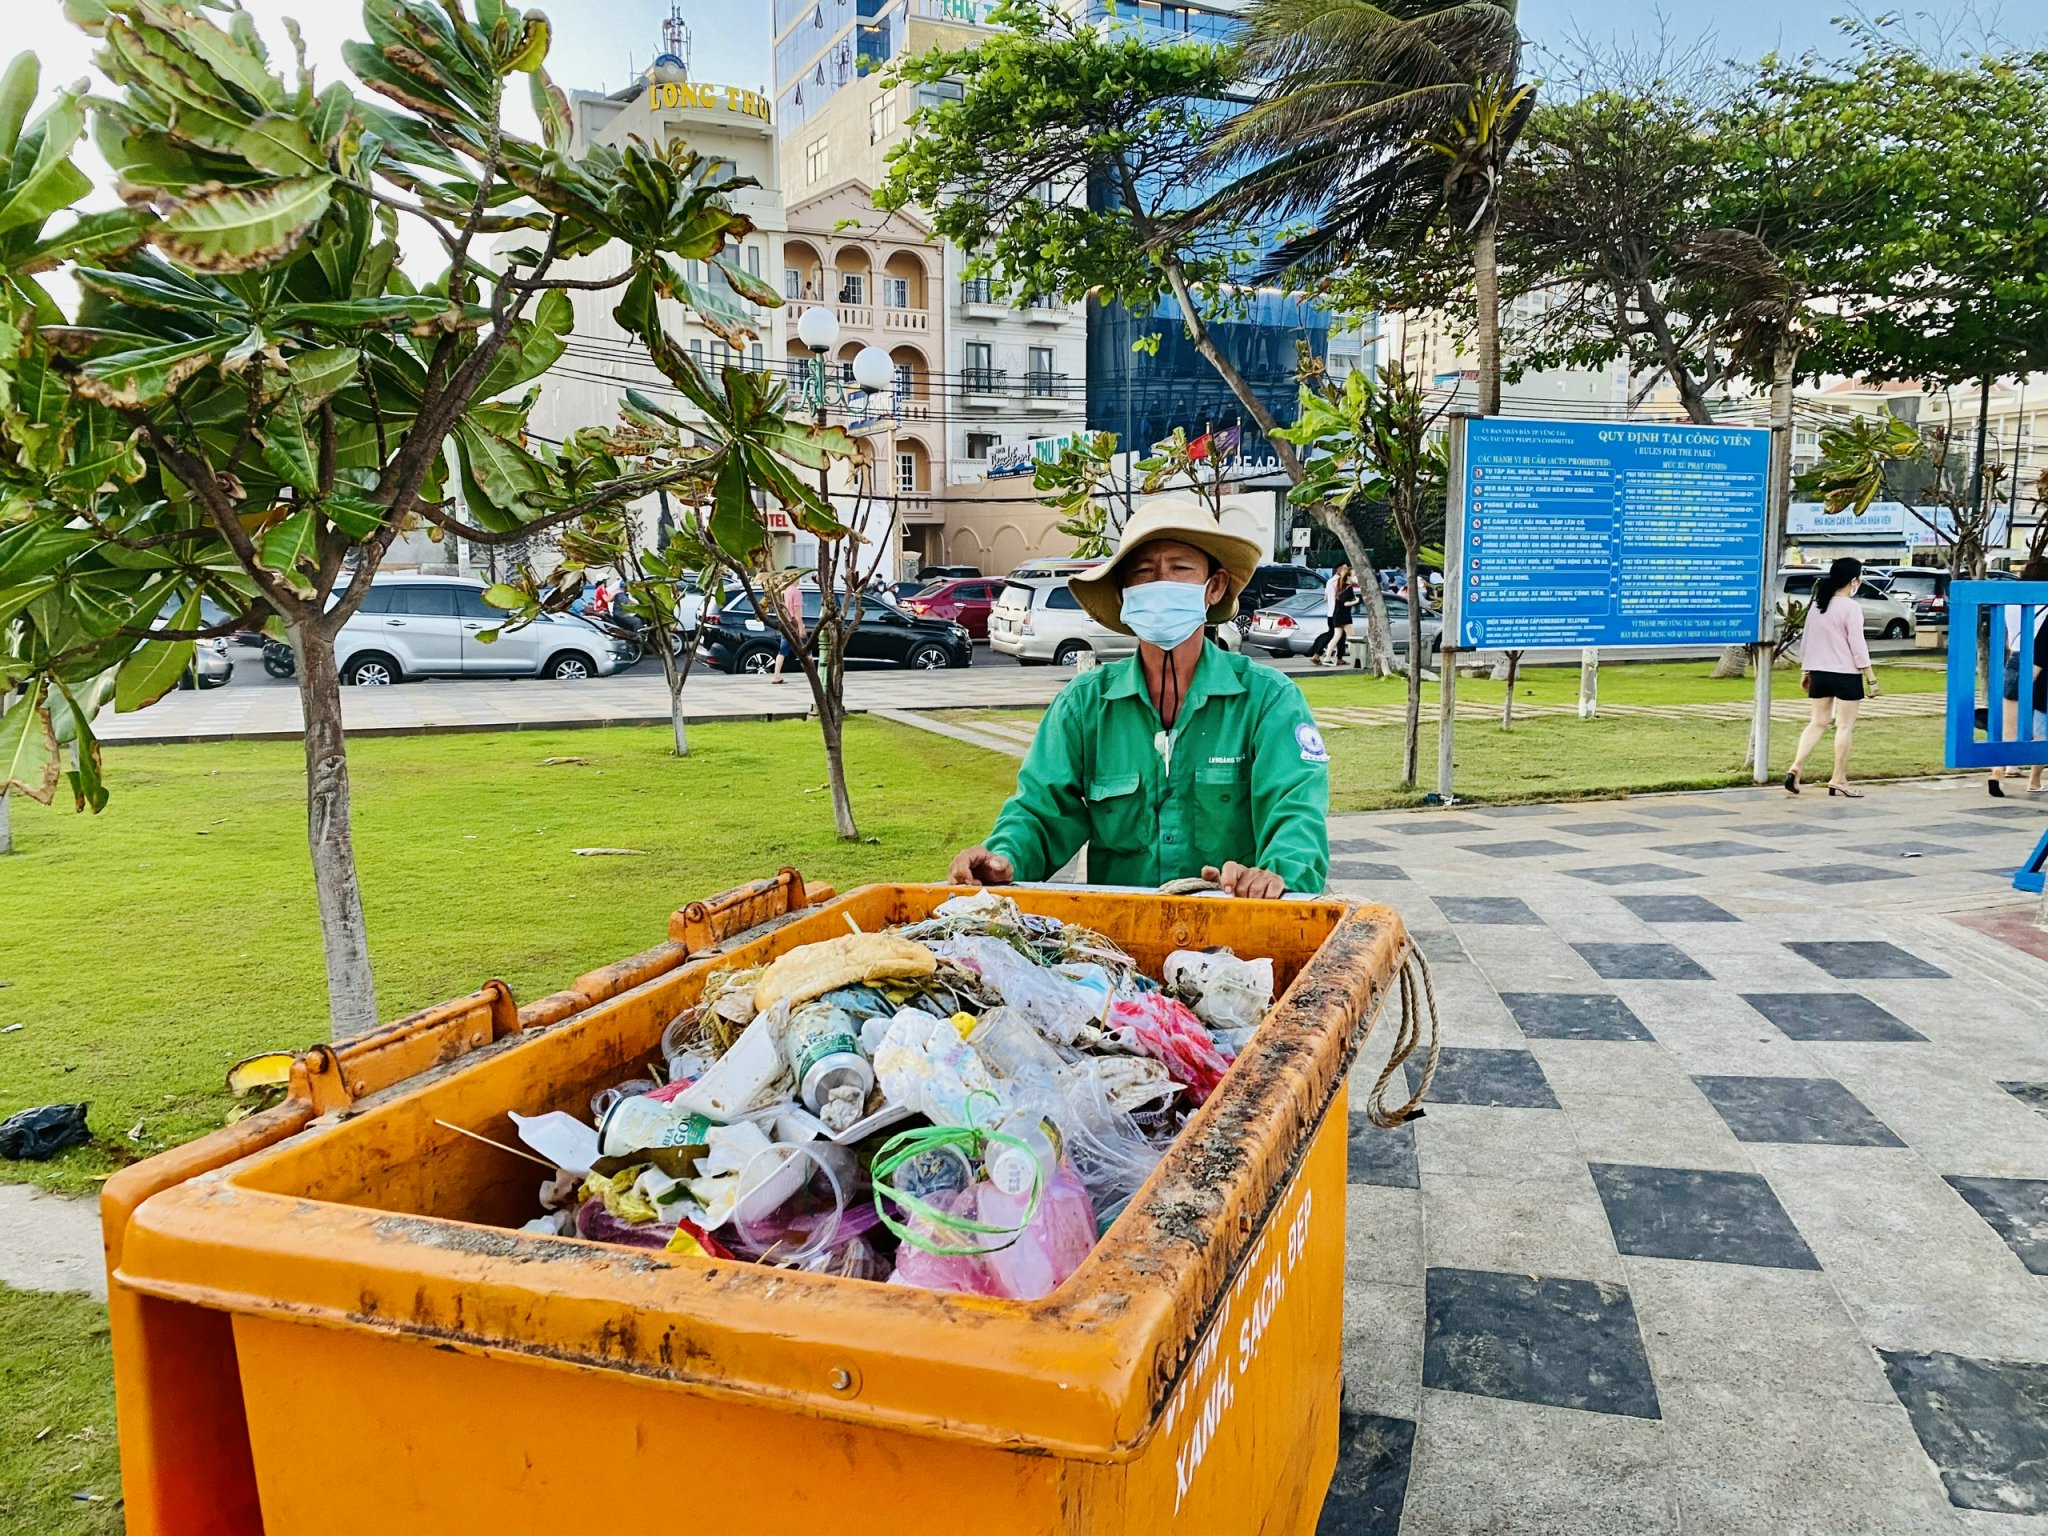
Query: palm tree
pixel 1379 122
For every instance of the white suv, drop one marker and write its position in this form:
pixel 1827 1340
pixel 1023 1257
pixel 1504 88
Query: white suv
pixel 1039 620
pixel 428 626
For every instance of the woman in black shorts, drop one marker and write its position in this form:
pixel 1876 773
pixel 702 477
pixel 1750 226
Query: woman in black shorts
pixel 1835 671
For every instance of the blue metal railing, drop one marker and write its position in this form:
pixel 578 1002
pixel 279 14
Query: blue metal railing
pixel 1979 735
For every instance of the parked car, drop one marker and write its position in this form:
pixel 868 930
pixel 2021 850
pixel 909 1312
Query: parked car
pixel 1039 621
pixel 1925 587
pixel 1068 567
pixel 1290 628
pixel 905 590
pixel 936 572
pixel 962 601
pixel 210 666
pixel 1887 615
pixel 737 640
pixel 1272 585
pixel 430 626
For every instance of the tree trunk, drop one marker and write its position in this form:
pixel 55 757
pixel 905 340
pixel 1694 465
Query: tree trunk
pixel 673 675
pixel 1734 661
pixel 1379 634
pixel 1513 663
pixel 1486 291
pixel 344 939
pixel 835 769
pixel 1411 722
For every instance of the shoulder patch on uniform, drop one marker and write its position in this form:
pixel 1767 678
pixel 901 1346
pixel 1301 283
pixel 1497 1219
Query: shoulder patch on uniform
pixel 1310 740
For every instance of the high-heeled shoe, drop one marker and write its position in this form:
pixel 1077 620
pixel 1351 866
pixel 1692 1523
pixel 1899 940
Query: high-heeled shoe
pixel 1792 782
pixel 1845 792
pixel 1997 789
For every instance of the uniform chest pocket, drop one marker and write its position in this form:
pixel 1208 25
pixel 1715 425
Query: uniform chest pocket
pixel 1221 784
pixel 1118 817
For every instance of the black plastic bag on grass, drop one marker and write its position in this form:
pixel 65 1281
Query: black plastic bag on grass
pixel 37 1134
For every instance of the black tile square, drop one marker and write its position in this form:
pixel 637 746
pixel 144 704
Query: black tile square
pixel 1804 1111
pixel 1632 874
pixel 1574 1016
pixel 1909 849
pixel 1358 845
pixel 1353 869
pixel 1830 1016
pixel 2017 1210
pixel 1713 848
pixel 1677 909
pixel 1980 828
pixel 1983 1423
pixel 1699 1214
pixel 2007 810
pixel 1370 1486
pixel 1678 810
pixel 1565 1343
pixel 1813 827
pixel 1493 911
pixel 1523 848
pixel 1867 960
pixel 1604 828
pixel 1642 962
pixel 1426 824
pixel 2033 1095
pixel 1383 1157
pixel 1841 874
pixel 1471 1074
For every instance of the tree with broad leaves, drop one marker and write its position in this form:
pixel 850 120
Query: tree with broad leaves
pixel 1375 440
pixel 1927 470
pixel 1117 129
pixel 252 400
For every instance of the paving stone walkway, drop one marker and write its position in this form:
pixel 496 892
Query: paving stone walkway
pixel 1729 1211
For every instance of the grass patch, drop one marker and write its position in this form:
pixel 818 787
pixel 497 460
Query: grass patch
pixel 56 1383
pixel 1634 682
pixel 151 946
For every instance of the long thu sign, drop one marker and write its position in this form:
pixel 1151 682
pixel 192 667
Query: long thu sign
pixel 1590 533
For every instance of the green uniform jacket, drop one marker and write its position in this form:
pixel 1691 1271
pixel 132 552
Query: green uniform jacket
pixel 1248 780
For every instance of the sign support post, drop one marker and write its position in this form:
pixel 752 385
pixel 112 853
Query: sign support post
pixel 1454 602
pixel 1767 622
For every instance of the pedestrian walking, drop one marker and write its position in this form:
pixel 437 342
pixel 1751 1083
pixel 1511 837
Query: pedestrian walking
pixel 1835 672
pixel 2022 659
pixel 792 601
pixel 1340 601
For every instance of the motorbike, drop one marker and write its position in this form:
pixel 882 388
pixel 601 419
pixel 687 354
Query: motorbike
pixel 278 658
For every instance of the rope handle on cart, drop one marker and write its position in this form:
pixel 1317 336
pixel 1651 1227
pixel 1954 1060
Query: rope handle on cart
pixel 1418 993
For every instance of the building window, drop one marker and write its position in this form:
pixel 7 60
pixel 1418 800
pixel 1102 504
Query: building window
pixel 906 472
pixel 979 445
pixel 906 380
pixel 697 350
pixel 1041 377
pixel 940 93
pixel 853 288
pixel 721 355
pixel 792 283
pixel 818 159
pixel 757 359
pixel 882 117
pixel 896 292
pixel 980 373
pixel 753 261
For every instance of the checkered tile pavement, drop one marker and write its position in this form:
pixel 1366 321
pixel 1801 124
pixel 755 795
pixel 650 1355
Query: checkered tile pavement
pixel 1729 1209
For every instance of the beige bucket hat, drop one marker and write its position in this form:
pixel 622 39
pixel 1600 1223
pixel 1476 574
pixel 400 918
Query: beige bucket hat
pixel 1185 521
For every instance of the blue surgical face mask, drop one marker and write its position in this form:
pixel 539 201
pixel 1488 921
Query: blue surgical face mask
pixel 1164 613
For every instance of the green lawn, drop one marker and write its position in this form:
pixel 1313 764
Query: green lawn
pixel 57 1417
pixel 150 947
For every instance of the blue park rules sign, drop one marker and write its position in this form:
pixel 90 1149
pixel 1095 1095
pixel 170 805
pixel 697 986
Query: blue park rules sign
pixel 1578 533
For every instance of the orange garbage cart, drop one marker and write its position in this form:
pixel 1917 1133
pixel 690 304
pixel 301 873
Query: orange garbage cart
pixel 326 1320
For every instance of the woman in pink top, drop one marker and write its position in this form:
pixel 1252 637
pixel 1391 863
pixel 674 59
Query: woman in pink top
pixel 1834 663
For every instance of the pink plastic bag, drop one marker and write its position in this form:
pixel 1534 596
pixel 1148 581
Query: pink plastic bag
pixel 964 1272
pixel 1168 1031
pixel 1061 1234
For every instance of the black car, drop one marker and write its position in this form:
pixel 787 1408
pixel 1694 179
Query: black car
pixel 1272 585
pixel 738 641
pixel 931 573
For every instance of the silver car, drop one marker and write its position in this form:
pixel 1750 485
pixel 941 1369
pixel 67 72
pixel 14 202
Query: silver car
pixel 1290 627
pixel 1885 617
pixel 1038 620
pixel 432 626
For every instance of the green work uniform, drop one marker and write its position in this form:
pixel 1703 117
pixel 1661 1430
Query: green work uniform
pixel 1246 778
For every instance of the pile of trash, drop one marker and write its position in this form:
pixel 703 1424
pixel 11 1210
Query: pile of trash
pixel 965 1103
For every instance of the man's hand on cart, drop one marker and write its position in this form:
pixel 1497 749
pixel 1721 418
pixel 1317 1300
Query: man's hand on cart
pixel 977 866
pixel 1244 880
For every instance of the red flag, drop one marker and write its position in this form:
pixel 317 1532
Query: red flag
pixel 1199 448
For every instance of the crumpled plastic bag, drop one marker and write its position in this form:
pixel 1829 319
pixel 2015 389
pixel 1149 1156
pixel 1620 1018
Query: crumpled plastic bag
pixel 1167 1030
pixel 38 1134
pixel 1225 992
pixel 923 1064
pixel 1057 1005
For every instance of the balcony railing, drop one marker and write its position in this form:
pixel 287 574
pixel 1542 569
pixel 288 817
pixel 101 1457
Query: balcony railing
pixel 1045 386
pixel 984 381
pixel 977 290
pixel 894 319
pixel 855 317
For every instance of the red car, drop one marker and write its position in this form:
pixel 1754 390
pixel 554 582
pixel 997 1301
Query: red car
pixel 962 599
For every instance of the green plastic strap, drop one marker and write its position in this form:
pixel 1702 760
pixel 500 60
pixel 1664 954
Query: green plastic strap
pixel 900 1149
